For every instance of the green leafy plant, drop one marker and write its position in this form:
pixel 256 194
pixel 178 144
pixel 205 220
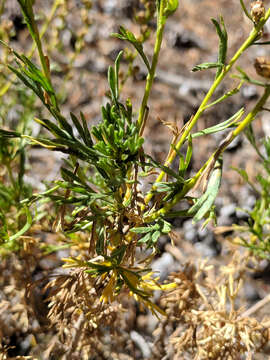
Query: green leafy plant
pixel 99 193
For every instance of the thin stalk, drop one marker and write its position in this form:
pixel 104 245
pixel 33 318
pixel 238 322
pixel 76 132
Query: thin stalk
pixel 252 37
pixel 36 37
pixel 191 183
pixel 143 112
pixel 44 28
pixel 161 20
pixel 11 177
pixel 245 10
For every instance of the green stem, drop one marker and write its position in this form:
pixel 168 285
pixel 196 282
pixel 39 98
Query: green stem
pixel 161 20
pixel 44 65
pixel 191 183
pixel 44 28
pixel 27 10
pixel 11 177
pixel 245 10
pixel 252 37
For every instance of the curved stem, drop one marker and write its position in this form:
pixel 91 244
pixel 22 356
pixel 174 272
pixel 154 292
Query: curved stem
pixel 161 20
pixel 252 37
pixel 44 28
pixel 191 183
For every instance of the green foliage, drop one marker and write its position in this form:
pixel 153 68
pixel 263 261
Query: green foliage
pixel 204 204
pixel 99 193
pixel 127 35
pixel 13 160
pixel 152 233
pixel 223 39
pixel 206 66
pixel 256 231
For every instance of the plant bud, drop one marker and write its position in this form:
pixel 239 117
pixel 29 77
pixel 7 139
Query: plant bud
pixel 257 10
pixel 171 7
pixel 262 67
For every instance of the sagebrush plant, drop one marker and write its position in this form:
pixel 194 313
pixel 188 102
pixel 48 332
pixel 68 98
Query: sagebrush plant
pixel 104 214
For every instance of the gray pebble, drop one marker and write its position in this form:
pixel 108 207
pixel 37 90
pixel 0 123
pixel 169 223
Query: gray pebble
pixel 205 250
pixel 249 92
pixel 164 265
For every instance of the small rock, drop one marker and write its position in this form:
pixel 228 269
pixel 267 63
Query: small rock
pixel 228 210
pixel 249 92
pixel 205 250
pixel 190 231
pixel 202 233
pixel 164 265
pixel 251 293
pixel 227 214
pixel 266 123
pixel 235 144
pixel 240 214
pixel 182 39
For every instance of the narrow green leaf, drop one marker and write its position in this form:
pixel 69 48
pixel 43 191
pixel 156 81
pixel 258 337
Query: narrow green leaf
pixel 225 96
pixel 206 201
pixel 63 122
pixel 205 66
pixel 223 40
pixel 166 227
pixel 26 226
pixel 245 10
pixel 130 37
pixel 145 238
pixel 88 139
pixel 141 230
pixel 54 129
pixel 161 187
pixel 222 126
pixel 112 83
pixel 244 77
pixel 116 70
pixel 166 169
pixel 79 127
pixel 9 134
pixel 155 236
pixel 35 73
pixel 27 82
pixel 189 152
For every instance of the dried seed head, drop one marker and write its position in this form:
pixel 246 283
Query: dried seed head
pixel 257 10
pixel 262 66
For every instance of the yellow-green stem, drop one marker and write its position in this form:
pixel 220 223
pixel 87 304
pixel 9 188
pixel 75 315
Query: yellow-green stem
pixel 45 68
pixel 252 37
pixel 150 77
pixel 191 183
pixel 44 28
